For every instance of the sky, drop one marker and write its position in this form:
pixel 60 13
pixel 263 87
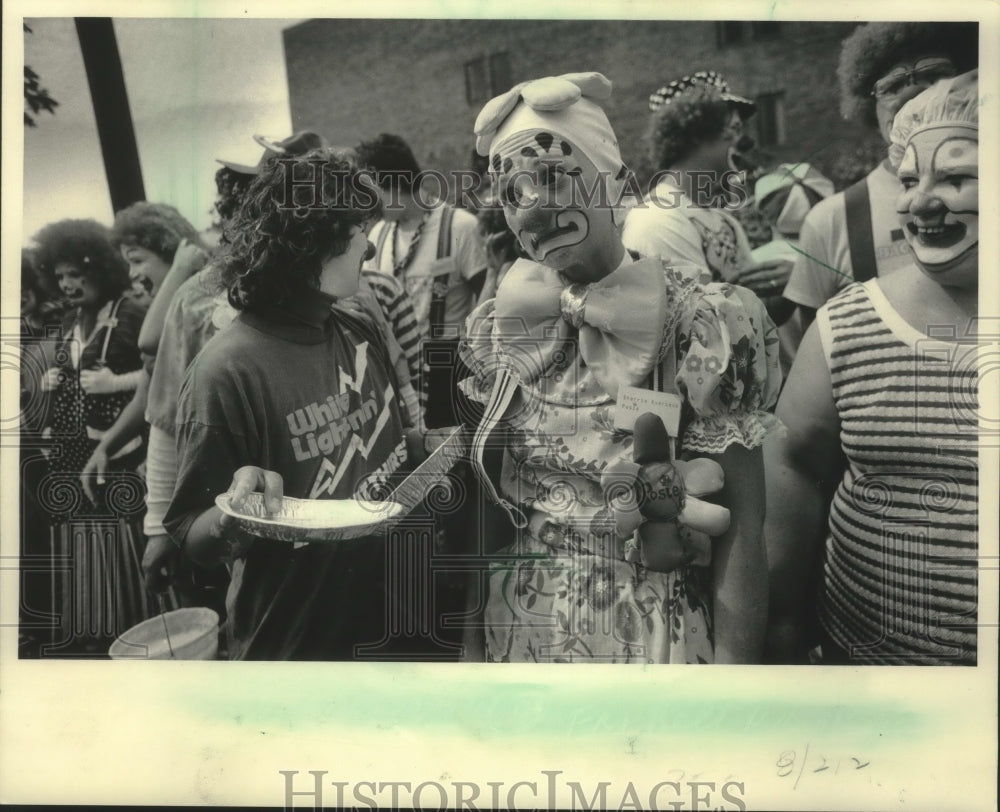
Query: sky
pixel 198 90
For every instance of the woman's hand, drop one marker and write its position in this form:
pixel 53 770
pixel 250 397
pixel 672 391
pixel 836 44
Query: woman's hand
pixel 247 480
pixel 435 438
pixel 189 259
pixel 157 563
pixel 52 379
pixel 99 381
pixel 95 468
pixel 252 478
pixel 214 537
pixel 766 278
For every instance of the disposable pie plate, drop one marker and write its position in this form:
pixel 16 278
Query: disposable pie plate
pixel 335 519
pixel 312 519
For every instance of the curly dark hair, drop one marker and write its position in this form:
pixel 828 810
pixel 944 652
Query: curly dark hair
pixel 154 226
pixel 34 282
pixel 692 117
pixel 871 49
pixel 392 161
pixel 274 247
pixel 230 186
pixel 86 245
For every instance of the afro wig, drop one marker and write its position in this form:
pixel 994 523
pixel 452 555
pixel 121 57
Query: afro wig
pixel 34 282
pixel 275 247
pixel 871 49
pixel 86 245
pixel 154 226
pixel 692 117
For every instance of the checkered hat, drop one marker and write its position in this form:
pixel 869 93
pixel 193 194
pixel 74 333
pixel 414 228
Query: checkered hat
pixel 707 78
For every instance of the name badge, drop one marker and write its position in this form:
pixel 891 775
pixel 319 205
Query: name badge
pixel 633 401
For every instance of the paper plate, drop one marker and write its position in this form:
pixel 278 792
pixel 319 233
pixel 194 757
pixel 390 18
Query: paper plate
pixel 312 519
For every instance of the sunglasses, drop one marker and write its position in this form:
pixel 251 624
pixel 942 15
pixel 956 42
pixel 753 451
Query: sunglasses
pixel 924 73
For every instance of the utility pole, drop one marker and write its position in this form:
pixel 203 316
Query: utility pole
pixel 114 121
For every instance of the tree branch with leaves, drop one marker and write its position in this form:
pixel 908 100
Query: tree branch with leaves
pixel 36 97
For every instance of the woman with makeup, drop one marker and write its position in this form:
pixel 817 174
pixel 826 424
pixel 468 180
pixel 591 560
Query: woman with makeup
pixel 162 250
pixel 98 369
pixel 873 493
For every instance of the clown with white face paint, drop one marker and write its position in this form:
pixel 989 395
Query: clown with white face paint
pixel 577 331
pixel 552 161
pixel 939 205
pixel 884 390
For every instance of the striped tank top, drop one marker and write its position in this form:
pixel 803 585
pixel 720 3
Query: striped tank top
pixel 900 575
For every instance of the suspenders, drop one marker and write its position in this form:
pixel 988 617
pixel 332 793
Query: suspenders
pixel 383 233
pixel 859 231
pixel 439 289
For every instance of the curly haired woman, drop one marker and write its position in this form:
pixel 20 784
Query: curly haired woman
pixel 99 369
pixel 162 249
pixel 281 400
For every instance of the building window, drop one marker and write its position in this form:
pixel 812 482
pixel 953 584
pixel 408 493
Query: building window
pixel 486 77
pixel 771 119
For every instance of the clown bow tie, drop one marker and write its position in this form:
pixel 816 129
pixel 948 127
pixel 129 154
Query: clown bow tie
pixel 619 318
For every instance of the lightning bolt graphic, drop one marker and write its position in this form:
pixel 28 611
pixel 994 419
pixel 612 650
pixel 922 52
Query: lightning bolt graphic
pixel 329 475
pixel 360 367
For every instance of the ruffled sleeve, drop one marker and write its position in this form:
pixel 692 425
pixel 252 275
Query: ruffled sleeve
pixel 727 369
pixel 479 354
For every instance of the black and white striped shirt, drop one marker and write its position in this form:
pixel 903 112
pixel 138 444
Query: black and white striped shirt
pixel 900 577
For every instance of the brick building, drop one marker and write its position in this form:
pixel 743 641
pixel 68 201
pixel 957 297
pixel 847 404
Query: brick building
pixel 427 79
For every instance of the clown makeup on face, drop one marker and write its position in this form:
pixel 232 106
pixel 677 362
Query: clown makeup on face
pixel 146 270
pixel 939 204
pixel 556 204
pixel 79 289
pixel 731 136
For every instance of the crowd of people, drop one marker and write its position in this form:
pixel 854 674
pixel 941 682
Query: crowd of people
pixel 687 440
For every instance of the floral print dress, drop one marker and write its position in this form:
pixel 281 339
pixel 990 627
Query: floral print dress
pixel 562 590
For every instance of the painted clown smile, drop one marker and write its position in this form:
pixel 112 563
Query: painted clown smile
pixel 938 236
pixel 938 206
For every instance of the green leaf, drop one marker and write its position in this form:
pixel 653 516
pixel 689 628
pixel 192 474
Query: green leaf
pixel 503 589
pixel 562 620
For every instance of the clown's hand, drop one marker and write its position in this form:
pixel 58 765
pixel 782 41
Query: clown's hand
pixel 766 278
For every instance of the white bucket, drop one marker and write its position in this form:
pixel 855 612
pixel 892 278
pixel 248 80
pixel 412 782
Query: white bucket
pixel 193 634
